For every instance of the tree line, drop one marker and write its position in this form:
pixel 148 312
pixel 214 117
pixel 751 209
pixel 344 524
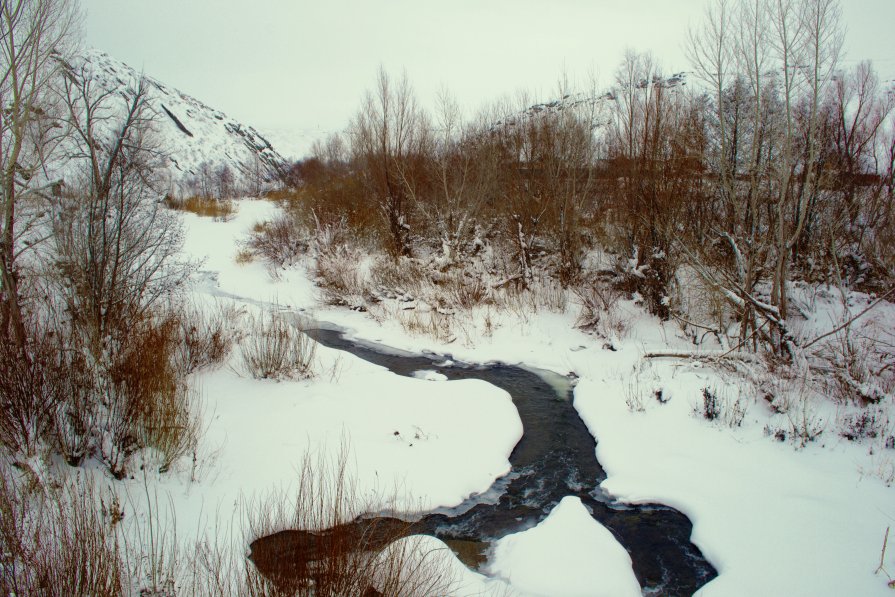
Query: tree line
pixel 768 161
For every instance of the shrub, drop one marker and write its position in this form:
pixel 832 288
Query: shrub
pixel 278 241
pixel 869 423
pixel 29 390
pixel 55 541
pixel 598 300
pixel 634 396
pixel 339 549
pixel 146 401
pixel 206 207
pixel 207 335
pixel 717 406
pixel 275 348
pixel 467 292
pixel 549 293
pixel 711 405
pixel 402 278
pixel 132 396
pixel 340 279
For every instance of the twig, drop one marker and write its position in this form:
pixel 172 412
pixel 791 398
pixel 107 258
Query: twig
pixel 505 282
pixel 851 320
pixel 695 325
pixel 882 555
pixel 743 343
pixel 701 356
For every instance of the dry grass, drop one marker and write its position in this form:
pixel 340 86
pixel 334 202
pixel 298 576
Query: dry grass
pixel 73 539
pixel 432 324
pixel 275 348
pixel 56 542
pixel 283 195
pixel 718 406
pixel 147 400
pixel 244 256
pixel 324 545
pixel 856 367
pixel 549 293
pixel 206 207
pixel 403 278
pixel 207 334
pixel 598 301
pixel 278 241
pixel 467 292
pixel 340 279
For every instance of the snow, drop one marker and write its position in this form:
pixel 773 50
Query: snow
pixel 568 553
pixel 429 375
pixel 773 518
pixel 463 581
pixel 435 443
pixel 215 245
pixel 770 519
pixel 212 137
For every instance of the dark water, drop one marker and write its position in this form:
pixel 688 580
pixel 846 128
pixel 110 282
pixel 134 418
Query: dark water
pixel 555 458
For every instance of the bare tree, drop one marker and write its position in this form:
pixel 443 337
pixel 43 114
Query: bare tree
pixel 117 247
pixel 226 183
pixel 385 136
pixel 119 269
pixel 711 52
pixel 456 179
pixel 768 62
pixel 33 33
pixel 655 166
pixel 256 176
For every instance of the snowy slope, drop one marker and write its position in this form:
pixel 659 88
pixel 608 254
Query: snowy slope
pixel 189 132
pixel 597 108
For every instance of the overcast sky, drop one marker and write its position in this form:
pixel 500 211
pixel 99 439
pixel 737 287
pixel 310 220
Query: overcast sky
pixel 301 68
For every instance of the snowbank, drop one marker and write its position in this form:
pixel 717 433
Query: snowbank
pixel 569 554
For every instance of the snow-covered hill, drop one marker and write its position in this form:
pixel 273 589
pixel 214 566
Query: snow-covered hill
pixel 193 136
pixel 598 108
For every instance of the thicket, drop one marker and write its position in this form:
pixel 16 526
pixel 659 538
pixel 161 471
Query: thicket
pixel 770 162
pixel 94 344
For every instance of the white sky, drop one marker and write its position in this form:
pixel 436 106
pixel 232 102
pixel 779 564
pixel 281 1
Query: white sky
pixel 302 67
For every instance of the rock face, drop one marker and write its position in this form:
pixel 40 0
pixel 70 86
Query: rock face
pixel 196 140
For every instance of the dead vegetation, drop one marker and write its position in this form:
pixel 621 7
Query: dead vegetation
pixel 56 541
pixel 325 543
pixel 206 207
pixel 276 348
pixel 73 538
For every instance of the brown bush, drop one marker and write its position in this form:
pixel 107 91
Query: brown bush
pixel 56 542
pixel 29 394
pixel 206 207
pixel 207 335
pixel 325 545
pixel 279 241
pixel 275 348
pixel 147 402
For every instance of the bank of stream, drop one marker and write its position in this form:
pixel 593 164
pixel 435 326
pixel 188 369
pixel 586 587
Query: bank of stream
pixel 555 458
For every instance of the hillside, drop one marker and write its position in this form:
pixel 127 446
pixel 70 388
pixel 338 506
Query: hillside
pixel 192 135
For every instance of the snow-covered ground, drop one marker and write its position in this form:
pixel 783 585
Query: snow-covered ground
pixel 773 519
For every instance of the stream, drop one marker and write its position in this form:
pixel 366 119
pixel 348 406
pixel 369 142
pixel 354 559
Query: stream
pixel 555 458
